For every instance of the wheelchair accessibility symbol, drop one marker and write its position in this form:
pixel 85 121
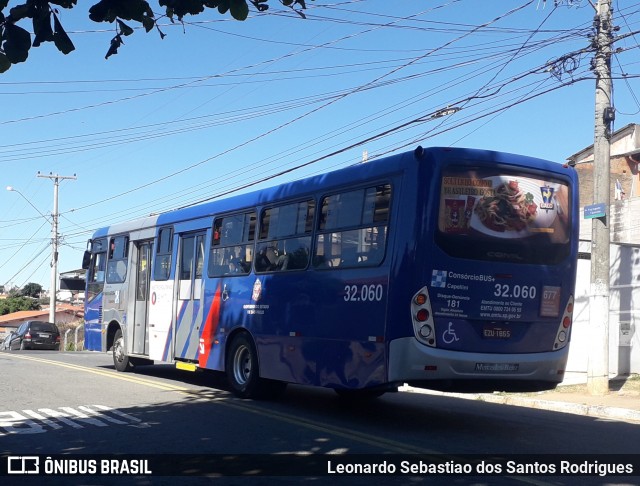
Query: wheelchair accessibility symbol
pixel 449 336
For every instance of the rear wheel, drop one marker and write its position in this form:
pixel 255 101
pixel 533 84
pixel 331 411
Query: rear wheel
pixel 243 371
pixel 23 346
pixel 242 367
pixel 121 361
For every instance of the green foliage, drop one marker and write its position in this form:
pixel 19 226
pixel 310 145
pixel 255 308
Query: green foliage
pixel 16 304
pixel 15 41
pixel 32 290
pixel 15 292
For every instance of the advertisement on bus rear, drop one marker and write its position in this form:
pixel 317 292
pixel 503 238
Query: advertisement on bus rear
pixel 483 204
pixel 509 238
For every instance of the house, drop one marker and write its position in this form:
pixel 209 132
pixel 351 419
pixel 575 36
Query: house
pixel 625 157
pixel 624 285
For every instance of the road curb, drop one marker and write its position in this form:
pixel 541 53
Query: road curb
pixel 598 411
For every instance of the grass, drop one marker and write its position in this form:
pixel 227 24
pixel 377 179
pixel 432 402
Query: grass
pixel 624 384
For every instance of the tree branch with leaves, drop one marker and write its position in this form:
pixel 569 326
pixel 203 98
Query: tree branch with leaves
pixel 16 40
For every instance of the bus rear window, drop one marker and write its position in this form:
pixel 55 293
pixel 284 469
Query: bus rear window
pixel 489 215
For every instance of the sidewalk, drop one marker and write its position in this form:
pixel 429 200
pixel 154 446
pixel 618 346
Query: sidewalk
pixel 571 396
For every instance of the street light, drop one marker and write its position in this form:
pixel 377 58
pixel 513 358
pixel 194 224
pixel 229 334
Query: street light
pixel 54 238
pixel 54 269
pixel 13 189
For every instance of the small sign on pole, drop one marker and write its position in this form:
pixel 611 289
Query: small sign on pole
pixel 595 211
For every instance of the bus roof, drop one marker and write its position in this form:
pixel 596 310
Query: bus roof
pixel 341 177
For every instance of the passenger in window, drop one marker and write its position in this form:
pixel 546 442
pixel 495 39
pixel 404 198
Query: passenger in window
pixel 236 262
pixel 282 263
pixel 268 258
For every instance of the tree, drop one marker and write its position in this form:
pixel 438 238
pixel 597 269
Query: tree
pixel 15 41
pixel 32 290
pixel 14 292
pixel 16 304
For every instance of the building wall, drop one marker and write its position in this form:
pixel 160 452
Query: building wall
pixel 623 169
pixel 624 314
pixel 624 222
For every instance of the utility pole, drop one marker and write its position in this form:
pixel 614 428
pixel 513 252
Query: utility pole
pixel 598 367
pixel 54 242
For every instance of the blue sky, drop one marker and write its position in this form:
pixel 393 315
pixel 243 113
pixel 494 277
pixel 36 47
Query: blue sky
pixel 220 104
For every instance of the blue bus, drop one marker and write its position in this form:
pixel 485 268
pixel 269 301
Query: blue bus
pixel 444 268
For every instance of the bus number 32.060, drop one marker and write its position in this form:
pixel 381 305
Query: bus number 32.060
pixel 363 293
pixel 515 291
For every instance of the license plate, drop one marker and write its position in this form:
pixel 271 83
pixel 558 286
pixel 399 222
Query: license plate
pixel 497 367
pixel 44 335
pixel 496 333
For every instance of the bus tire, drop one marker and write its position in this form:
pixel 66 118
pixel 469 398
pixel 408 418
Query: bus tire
pixel 121 361
pixel 242 368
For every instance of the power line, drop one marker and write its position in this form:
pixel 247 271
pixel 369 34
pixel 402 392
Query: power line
pixel 373 134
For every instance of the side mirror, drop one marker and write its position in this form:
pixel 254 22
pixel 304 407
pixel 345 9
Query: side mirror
pixel 86 260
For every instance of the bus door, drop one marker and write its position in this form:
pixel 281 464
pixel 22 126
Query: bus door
pixel 141 310
pixel 190 295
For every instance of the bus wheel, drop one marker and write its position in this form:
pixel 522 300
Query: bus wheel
pixel 242 367
pixel 121 361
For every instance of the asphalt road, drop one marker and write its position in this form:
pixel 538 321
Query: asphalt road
pixel 76 403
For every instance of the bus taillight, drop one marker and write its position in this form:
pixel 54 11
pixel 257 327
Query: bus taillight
pixel 422 318
pixel 421 299
pixel 562 336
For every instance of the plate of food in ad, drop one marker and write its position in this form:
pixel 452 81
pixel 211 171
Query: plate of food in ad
pixel 515 209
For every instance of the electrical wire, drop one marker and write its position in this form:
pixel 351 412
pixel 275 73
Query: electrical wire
pixel 375 136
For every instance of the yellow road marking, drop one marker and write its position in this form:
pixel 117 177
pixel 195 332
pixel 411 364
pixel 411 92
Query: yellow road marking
pixel 236 404
pixel 107 373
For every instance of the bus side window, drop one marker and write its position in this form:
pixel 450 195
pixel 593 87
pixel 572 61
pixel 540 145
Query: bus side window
pixel 164 247
pixel 285 237
pixel 352 229
pixel 118 256
pixel 231 250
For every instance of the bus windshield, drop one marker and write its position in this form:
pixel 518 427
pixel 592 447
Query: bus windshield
pixel 485 214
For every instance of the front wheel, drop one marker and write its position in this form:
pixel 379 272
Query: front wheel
pixel 121 361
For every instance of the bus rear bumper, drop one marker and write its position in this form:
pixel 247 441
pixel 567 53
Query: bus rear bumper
pixel 437 369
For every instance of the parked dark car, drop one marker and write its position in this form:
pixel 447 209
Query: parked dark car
pixel 36 335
